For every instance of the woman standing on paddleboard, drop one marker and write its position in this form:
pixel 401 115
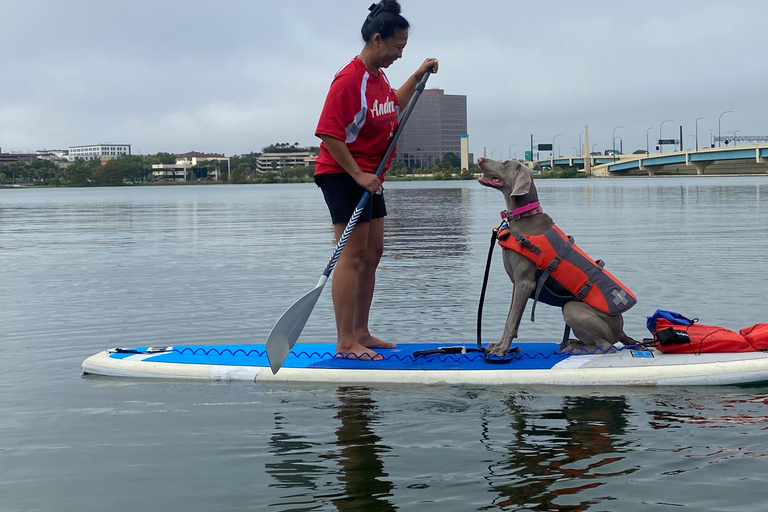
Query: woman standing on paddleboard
pixel 358 121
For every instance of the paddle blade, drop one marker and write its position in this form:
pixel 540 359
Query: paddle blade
pixel 288 328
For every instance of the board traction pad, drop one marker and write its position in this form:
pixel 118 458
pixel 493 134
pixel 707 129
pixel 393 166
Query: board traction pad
pixel 533 356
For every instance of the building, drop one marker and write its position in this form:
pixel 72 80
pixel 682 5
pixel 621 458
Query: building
pixel 174 172
pixel 274 161
pixel 98 151
pixel 7 158
pixel 193 157
pixel 185 162
pixel 436 125
pixel 52 154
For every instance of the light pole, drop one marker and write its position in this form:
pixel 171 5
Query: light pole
pixel 613 136
pixel 647 147
pixel 553 144
pixel 510 150
pixel 593 147
pixel 734 137
pixel 494 149
pixel 581 146
pixel 697 132
pixel 662 124
pixel 719 133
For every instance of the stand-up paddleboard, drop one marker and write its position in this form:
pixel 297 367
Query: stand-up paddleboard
pixel 422 363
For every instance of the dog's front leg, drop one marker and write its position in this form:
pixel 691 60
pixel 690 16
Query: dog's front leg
pixel 523 275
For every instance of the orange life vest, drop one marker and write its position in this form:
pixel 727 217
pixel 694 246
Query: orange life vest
pixel 560 259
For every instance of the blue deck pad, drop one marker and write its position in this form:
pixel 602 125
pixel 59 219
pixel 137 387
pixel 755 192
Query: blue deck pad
pixel 533 356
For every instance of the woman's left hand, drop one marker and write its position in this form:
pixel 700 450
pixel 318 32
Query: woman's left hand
pixel 427 65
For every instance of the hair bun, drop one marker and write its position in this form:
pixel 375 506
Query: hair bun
pixel 384 18
pixel 390 6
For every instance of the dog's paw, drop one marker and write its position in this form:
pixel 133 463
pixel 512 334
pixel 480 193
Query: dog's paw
pixel 497 349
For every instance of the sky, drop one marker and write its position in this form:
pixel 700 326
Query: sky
pixel 233 76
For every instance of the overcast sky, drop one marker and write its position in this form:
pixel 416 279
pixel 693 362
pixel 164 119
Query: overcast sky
pixel 233 76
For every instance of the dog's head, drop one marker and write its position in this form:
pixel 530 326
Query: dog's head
pixel 511 177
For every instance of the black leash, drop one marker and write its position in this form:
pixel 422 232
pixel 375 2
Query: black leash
pixel 494 236
pixel 492 359
pixel 513 351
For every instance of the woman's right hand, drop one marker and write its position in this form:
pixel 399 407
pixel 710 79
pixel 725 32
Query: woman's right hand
pixel 340 152
pixel 370 182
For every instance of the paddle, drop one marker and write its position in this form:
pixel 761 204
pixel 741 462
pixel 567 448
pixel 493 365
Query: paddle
pixel 288 327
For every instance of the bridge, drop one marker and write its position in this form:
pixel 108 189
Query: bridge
pixel 734 160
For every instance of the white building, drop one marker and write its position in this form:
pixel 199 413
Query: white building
pixel 184 163
pixel 52 154
pixel 273 161
pixel 98 151
pixel 173 172
pixel 193 157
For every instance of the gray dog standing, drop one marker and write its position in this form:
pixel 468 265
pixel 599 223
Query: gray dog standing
pixel 593 328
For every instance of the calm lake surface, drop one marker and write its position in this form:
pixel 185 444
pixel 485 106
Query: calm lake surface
pixel 83 270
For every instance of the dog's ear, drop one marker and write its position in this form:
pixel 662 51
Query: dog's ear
pixel 522 181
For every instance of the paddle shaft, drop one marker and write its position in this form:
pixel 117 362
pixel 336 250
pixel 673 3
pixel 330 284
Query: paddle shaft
pixel 366 194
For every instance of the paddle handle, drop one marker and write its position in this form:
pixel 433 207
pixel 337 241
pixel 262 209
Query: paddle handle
pixel 366 194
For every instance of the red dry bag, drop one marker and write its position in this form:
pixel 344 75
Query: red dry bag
pixel 674 338
pixel 757 336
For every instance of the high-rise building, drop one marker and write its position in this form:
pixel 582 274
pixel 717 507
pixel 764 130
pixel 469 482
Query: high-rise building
pixel 435 128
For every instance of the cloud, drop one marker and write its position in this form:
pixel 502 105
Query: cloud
pixel 235 76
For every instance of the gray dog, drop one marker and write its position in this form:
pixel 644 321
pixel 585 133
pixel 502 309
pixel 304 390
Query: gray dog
pixel 594 328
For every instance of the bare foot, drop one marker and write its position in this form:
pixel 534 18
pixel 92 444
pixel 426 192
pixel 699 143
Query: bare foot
pixel 371 342
pixel 357 351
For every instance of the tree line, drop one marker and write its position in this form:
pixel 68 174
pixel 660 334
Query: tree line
pixel 136 169
pixel 84 173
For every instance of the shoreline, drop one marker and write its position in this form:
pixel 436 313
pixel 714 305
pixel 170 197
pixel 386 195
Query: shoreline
pixel 19 186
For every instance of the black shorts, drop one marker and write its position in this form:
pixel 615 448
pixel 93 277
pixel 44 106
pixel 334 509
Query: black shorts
pixel 342 193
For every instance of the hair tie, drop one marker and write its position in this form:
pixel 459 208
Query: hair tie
pixel 375 10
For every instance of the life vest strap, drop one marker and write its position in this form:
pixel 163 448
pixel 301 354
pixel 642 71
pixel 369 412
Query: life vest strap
pixel 542 281
pixel 504 233
pixel 524 242
pixel 585 290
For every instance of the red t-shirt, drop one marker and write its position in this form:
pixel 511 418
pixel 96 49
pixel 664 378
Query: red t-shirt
pixel 361 109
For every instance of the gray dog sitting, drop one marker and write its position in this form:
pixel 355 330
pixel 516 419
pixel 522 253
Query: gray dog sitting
pixel 545 264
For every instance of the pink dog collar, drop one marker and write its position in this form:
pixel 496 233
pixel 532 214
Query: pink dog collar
pixel 527 210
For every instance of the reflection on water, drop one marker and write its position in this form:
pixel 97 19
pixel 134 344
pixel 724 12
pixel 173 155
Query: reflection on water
pixel 730 411
pixel 303 465
pixel 365 485
pixel 529 451
pixel 567 446
pixel 427 223
pixel 293 469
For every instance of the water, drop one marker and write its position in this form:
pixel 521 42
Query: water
pixel 82 270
